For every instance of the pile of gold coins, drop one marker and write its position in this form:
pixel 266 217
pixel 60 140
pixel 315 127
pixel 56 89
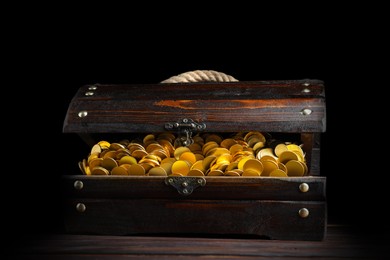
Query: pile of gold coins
pixel 242 154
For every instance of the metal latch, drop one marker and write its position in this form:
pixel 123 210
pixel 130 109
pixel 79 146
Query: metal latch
pixel 185 127
pixel 185 185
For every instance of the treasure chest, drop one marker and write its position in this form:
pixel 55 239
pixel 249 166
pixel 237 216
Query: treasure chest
pixel 198 158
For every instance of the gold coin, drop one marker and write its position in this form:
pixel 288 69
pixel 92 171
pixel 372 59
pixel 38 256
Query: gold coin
pixel 265 151
pixel 224 158
pixel 232 173
pixel 127 159
pixel 250 172
pixel 104 144
pixel 188 156
pixel 157 171
pixel 116 146
pixel 258 146
pixel 217 151
pixel 195 147
pixel 235 148
pixel 100 171
pixel 199 157
pixel 95 162
pixel 213 138
pixel 253 165
pixel 198 165
pixel 227 143
pixel 179 151
pixel 168 160
pixel 148 138
pixel 118 170
pixel 134 146
pixel 242 162
pixel 209 160
pixel 167 166
pixel 287 156
pixel 215 173
pixel 108 163
pixel 125 166
pixel 280 148
pixel 278 173
pixel 181 167
pixel 110 154
pixel 268 158
pixel 232 166
pixel 136 169
pixel 295 168
pixel 139 154
pixel 195 172
pixel 93 156
pixel 154 146
pixel 208 146
pixel 81 167
pixel 282 167
pixel 269 166
pixel 86 168
pixel 96 149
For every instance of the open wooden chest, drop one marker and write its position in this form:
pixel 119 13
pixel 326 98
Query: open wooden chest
pixel 280 117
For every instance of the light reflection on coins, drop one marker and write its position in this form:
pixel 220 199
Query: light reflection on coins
pixel 210 154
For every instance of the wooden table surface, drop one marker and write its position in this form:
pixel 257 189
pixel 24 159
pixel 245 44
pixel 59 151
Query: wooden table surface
pixel 341 242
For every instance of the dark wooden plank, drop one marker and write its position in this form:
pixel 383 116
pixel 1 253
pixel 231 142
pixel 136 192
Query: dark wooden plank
pixel 234 188
pixel 339 243
pixel 271 219
pixel 275 107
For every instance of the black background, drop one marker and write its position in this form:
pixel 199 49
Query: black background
pixel 52 57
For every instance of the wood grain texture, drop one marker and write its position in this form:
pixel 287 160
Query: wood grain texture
pixel 233 106
pixel 271 219
pixel 340 243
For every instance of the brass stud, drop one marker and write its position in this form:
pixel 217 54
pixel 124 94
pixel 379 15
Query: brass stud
pixel 89 93
pixel 306 90
pixel 78 185
pixel 304 187
pixel 92 87
pixel 303 212
pixel 80 207
pixel 83 113
pixel 306 111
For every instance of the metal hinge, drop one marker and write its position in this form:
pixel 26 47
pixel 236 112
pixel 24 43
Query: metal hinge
pixel 185 185
pixel 185 128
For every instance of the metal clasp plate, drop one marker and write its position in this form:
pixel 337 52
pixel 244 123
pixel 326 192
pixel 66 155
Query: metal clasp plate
pixel 185 185
pixel 185 127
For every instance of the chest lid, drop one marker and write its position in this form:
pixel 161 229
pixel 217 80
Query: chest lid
pixel 293 106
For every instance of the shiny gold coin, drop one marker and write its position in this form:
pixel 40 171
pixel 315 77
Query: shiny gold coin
pixel 168 160
pixel 161 153
pixel 80 164
pixel 195 147
pixel 125 166
pixel 269 166
pixel 287 156
pixel 227 143
pixel 157 171
pixel 250 172
pixel 242 162
pixel 135 146
pixel 232 166
pixel 198 165
pixel 168 146
pixel 100 171
pixel 208 146
pixel 258 146
pixel 116 146
pixel 104 144
pixel 263 152
pixel 177 174
pixel 108 163
pixel 166 136
pixel 127 159
pixel 269 158
pixel 121 153
pixel 278 173
pixel 280 148
pixel 188 156
pixel 215 173
pixel 139 154
pixel 199 157
pixel 136 169
pixel 306 168
pixel 181 167
pixel 167 166
pixel 282 167
pixel 148 138
pixel 235 148
pixel 179 151
pixel 151 162
pixel 224 158
pixel 253 165
pixel 295 168
pixel 232 173
pixel 86 168
pixel 217 151
pixel 208 161
pixel 95 162
pixel 93 156
pixel 109 154
pixel 96 149
pixel 154 146
pixel 118 170
pixel 195 172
